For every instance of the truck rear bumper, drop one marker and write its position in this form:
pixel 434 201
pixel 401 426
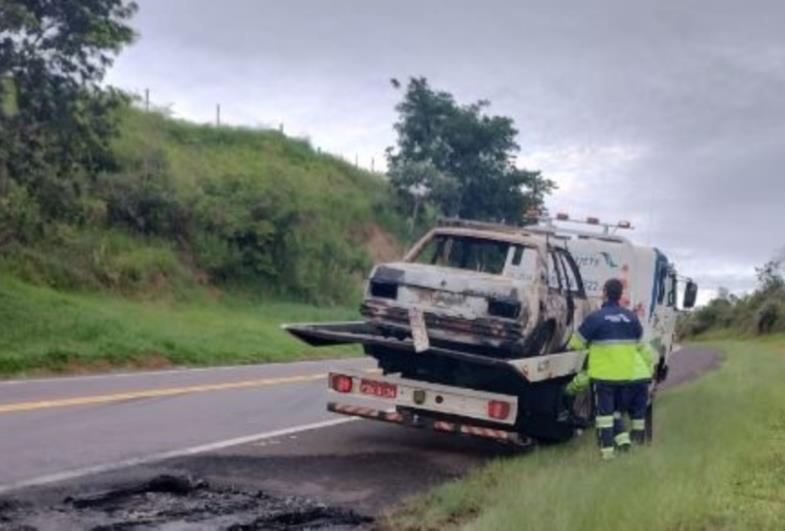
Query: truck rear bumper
pixel 440 400
pixel 415 420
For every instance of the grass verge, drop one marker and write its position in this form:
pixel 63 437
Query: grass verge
pixel 44 331
pixel 718 462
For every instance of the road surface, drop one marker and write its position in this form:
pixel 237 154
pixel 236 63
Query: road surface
pixel 257 427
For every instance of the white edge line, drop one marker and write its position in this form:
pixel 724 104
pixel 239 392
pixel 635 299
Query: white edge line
pixel 136 461
pixel 165 372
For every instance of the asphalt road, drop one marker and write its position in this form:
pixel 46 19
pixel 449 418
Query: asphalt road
pixel 57 425
pixel 260 427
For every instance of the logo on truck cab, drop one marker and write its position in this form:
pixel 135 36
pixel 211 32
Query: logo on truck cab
pixel 596 260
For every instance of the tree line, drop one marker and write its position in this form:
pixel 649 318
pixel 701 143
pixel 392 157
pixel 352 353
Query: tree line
pixel 759 312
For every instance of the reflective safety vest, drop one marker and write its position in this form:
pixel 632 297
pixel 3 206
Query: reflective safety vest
pixel 644 364
pixel 612 335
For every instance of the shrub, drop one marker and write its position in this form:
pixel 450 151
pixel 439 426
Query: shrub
pixel 20 217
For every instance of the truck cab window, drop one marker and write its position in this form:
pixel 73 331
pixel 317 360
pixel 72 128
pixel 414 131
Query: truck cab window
pixel 672 290
pixel 662 280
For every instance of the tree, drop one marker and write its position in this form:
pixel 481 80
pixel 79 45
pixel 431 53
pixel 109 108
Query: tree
pixel 470 158
pixel 770 276
pixel 55 117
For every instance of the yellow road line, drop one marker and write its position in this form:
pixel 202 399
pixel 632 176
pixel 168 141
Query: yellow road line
pixel 153 393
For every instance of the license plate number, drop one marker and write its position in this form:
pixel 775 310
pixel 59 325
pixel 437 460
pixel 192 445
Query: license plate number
pixel 380 389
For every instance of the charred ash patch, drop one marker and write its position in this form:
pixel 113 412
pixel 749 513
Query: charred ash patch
pixel 179 502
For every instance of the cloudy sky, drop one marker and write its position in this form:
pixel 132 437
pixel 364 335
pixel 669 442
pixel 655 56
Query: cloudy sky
pixel 670 114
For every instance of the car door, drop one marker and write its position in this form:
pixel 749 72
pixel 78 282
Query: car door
pixel 574 292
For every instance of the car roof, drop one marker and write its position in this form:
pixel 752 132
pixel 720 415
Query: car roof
pixel 507 234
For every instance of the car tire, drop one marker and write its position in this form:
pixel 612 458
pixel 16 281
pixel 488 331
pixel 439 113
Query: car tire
pixel 540 340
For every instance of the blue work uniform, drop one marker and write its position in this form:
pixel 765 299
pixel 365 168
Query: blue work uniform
pixel 617 370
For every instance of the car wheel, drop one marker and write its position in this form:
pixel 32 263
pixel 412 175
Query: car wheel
pixel 540 340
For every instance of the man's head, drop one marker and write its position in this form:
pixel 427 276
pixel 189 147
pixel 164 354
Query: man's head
pixel 612 290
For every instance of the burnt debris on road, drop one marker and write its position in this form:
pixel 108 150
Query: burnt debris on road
pixel 191 503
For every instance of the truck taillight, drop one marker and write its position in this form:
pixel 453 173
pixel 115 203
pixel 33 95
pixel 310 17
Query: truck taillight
pixel 341 383
pixel 498 409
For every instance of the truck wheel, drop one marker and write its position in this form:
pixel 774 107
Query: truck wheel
pixel 649 423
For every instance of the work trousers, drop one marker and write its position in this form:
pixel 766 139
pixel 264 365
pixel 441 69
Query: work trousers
pixel 634 400
pixel 614 400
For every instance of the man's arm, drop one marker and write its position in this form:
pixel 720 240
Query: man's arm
pixel 583 336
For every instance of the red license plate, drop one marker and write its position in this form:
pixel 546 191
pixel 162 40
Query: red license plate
pixel 381 389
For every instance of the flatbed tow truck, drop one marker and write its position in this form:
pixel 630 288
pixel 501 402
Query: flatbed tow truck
pixel 470 329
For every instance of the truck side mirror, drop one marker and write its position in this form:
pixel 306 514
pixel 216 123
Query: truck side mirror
pixel 690 294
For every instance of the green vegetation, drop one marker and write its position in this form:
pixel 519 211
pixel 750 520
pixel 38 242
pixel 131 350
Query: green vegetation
pixel 718 462
pixel 459 161
pixel 56 121
pixel 231 207
pixel 128 238
pixel 49 331
pixel 757 313
pixel 236 207
pixel 185 255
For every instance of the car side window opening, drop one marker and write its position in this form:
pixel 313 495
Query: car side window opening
pixel 563 273
pixel 573 278
pixel 554 276
pixel 517 255
pixel 430 252
pixel 522 264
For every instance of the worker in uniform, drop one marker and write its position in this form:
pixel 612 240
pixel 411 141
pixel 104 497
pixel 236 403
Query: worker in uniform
pixel 617 369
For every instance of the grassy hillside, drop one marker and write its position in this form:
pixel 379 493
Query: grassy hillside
pixel 48 331
pixel 221 206
pixel 192 251
pixel 718 462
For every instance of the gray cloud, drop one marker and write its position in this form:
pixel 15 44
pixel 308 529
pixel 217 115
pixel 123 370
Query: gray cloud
pixel 669 114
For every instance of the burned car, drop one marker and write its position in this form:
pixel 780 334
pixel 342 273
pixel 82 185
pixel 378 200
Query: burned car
pixel 487 289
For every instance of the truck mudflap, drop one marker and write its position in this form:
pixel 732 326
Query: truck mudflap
pixel 414 420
